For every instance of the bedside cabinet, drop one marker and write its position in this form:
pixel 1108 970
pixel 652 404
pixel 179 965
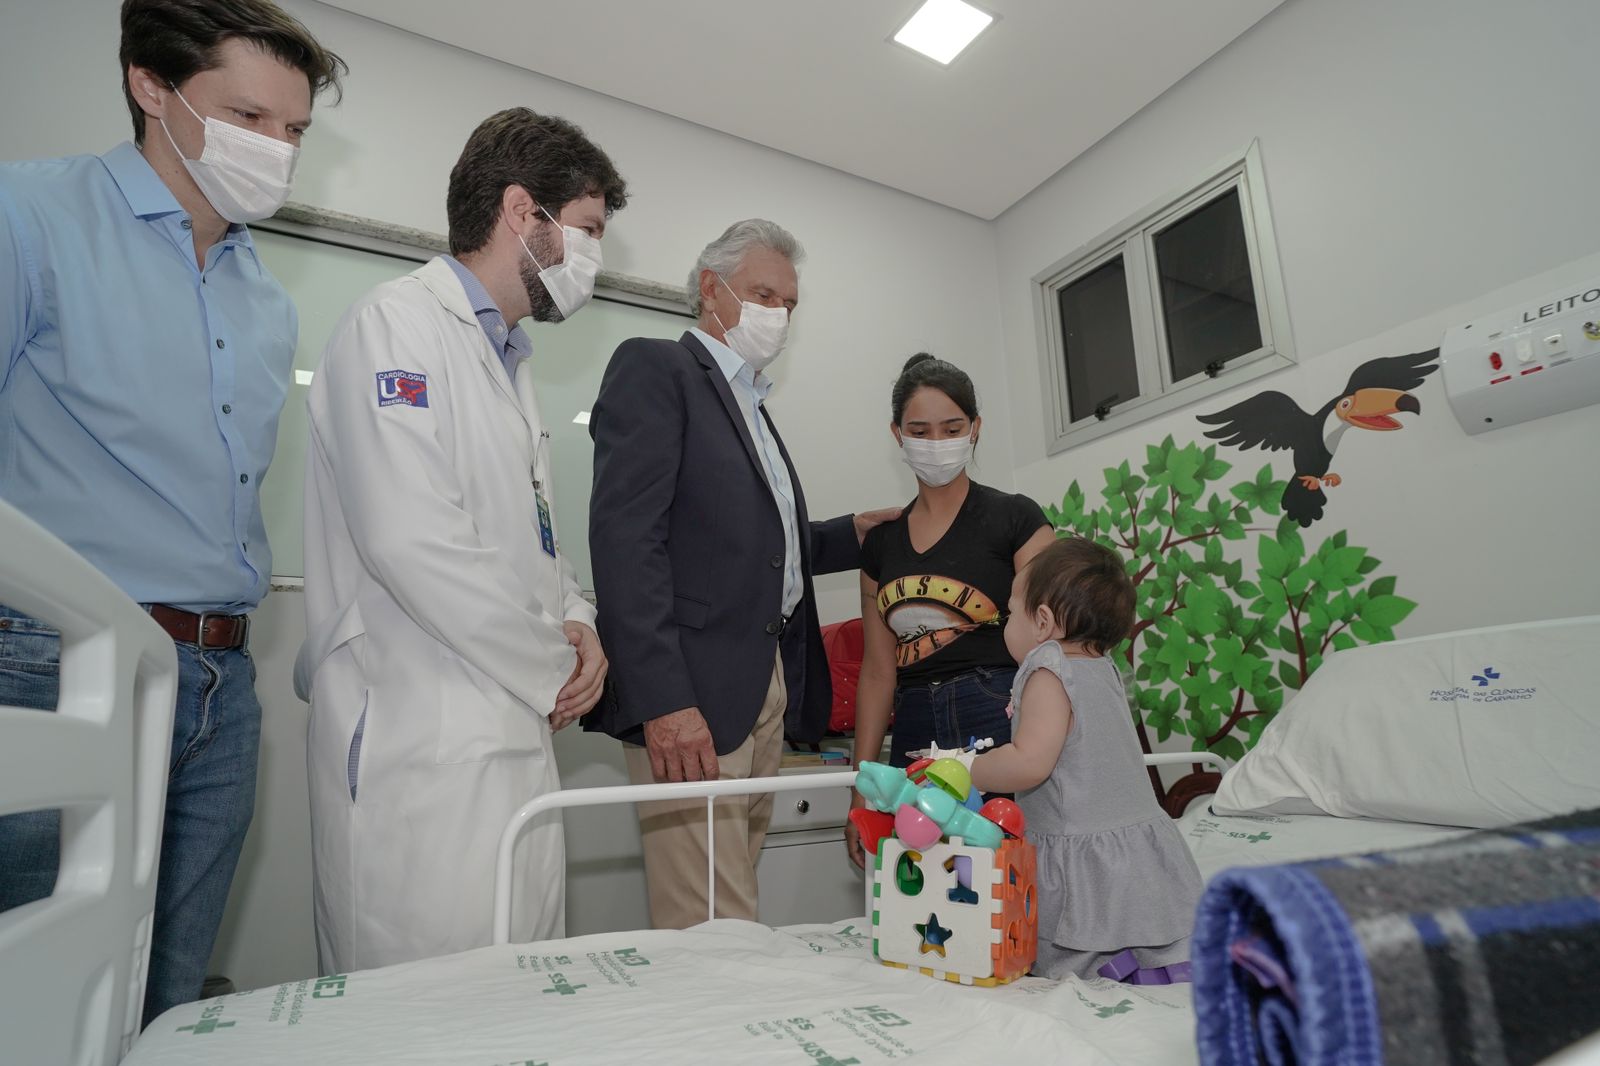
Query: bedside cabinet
pixel 804 872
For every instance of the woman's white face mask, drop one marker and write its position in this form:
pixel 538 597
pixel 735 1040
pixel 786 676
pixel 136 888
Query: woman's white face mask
pixel 245 175
pixel 937 462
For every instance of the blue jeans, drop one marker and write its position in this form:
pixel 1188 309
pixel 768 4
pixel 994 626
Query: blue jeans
pixel 949 713
pixel 211 794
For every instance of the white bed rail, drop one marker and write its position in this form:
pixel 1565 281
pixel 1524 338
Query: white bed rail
pixel 709 791
pixel 676 790
pixel 72 965
pixel 1184 758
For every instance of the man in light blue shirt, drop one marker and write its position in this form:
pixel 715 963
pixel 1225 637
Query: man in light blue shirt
pixel 144 358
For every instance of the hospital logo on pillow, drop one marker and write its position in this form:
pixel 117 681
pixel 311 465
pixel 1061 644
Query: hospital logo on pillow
pixel 1483 689
pixel 402 387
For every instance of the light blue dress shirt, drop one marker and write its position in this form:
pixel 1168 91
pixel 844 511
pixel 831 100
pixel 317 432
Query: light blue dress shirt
pixel 751 389
pixel 511 345
pixel 139 392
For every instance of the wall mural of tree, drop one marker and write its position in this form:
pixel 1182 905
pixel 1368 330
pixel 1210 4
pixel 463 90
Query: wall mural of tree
pixel 1234 609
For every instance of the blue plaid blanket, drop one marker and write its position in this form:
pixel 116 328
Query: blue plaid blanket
pixel 1481 950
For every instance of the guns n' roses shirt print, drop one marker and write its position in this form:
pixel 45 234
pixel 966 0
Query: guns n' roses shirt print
pixel 946 606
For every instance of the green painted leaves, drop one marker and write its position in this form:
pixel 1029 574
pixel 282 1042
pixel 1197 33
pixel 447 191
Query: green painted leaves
pixel 1224 629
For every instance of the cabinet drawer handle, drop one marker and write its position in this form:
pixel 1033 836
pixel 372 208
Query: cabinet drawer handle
pixel 803 806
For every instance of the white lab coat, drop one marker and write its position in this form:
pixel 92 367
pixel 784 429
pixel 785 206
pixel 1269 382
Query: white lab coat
pixel 431 606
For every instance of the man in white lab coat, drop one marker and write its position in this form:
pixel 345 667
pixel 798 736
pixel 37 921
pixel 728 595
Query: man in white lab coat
pixel 446 634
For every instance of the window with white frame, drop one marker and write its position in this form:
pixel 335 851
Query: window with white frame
pixel 1181 301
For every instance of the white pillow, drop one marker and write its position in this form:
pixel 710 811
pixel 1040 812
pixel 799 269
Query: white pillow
pixel 1481 728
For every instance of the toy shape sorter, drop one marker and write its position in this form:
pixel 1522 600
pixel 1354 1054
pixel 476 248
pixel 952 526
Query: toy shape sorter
pixel 954 891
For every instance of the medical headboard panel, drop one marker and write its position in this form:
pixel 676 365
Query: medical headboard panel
pixel 1539 358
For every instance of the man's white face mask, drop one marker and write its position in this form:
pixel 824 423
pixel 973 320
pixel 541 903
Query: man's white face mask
pixel 245 175
pixel 570 282
pixel 761 333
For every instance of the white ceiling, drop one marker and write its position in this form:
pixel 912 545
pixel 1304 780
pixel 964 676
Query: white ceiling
pixel 820 79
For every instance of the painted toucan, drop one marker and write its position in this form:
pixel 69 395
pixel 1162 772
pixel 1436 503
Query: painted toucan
pixel 1376 392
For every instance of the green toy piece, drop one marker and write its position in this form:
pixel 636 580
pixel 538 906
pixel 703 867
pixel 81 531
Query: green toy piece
pixel 951 776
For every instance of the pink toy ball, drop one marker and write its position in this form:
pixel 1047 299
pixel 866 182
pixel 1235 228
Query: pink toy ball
pixel 1005 814
pixel 915 829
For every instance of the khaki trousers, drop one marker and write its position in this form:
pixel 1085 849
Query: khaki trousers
pixel 674 832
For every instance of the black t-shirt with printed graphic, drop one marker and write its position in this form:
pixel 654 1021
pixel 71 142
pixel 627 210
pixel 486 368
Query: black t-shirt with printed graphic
pixel 946 606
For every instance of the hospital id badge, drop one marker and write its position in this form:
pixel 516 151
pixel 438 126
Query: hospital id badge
pixel 547 533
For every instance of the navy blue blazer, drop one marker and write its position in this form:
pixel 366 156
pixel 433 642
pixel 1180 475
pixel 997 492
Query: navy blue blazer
pixel 688 554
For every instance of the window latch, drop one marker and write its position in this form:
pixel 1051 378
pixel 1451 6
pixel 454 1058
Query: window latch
pixel 1214 368
pixel 1103 408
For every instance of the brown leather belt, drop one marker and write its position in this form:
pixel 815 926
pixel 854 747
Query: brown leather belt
pixel 209 631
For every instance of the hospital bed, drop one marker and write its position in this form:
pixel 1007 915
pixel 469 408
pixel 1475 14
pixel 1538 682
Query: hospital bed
pixel 738 992
pixel 71 967
pixel 724 992
pixel 729 991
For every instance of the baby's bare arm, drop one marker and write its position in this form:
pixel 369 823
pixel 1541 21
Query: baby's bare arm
pixel 1042 723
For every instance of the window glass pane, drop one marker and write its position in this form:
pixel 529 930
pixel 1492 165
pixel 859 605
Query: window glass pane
pixel 1097 337
pixel 1207 299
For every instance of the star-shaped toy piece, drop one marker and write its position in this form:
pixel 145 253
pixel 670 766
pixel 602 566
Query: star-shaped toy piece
pixel 934 936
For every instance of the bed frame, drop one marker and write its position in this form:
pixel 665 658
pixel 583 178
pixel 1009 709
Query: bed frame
pixel 75 962
pixel 710 791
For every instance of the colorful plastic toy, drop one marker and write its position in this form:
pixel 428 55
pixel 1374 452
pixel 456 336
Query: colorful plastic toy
pixel 884 787
pixel 954 882
pixel 873 827
pixel 908 875
pixel 951 776
pixel 984 934
pixel 888 789
pixel 1006 814
pixel 956 821
pixel 915 828
pixel 961 866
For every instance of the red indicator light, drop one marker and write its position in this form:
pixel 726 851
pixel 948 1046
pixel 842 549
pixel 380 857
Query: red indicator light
pixel 1495 361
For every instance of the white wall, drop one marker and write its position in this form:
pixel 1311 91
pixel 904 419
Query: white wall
pixel 1424 161
pixel 887 275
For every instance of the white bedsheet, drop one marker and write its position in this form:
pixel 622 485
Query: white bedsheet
pixel 1222 840
pixel 724 992
pixel 731 992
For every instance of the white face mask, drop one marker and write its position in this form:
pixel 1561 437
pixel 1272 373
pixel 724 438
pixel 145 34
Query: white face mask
pixel 761 333
pixel 570 282
pixel 245 175
pixel 937 462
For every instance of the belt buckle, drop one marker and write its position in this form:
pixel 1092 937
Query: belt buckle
pixel 200 630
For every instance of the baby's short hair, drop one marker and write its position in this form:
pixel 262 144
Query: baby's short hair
pixel 1087 588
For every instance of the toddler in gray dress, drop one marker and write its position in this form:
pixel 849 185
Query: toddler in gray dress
pixel 1117 886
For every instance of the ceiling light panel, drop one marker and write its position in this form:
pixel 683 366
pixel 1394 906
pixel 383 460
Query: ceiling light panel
pixel 942 29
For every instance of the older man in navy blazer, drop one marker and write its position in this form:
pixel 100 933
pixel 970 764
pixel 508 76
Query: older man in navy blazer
pixel 703 555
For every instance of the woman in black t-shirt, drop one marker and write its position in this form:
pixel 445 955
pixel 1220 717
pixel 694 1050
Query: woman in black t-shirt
pixel 934 583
